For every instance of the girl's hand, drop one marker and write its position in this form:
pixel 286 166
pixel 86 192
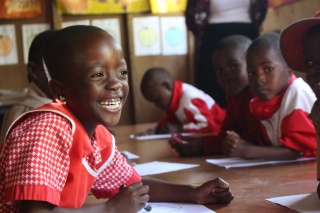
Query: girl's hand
pixel 130 199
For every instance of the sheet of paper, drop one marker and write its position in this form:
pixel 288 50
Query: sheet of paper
pixel 130 155
pixel 239 162
pixel 111 25
pixel 177 208
pixel 161 136
pixel 304 203
pixel 29 31
pixel 8 45
pixel 156 167
pixel 174 35
pixel 146 35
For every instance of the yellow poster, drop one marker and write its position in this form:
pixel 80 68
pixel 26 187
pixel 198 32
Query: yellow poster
pixel 10 9
pixel 102 6
pixel 167 6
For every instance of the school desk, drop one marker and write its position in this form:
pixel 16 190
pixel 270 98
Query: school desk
pixel 250 186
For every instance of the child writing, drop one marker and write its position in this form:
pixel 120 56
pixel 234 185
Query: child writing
pixel 187 109
pixel 54 155
pixel 229 59
pixel 300 44
pixel 282 104
pixel 38 89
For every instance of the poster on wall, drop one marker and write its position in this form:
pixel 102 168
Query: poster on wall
pixel 10 9
pixel 173 35
pixel 102 6
pixel 168 6
pixel 77 22
pixel 146 35
pixel 8 45
pixel 111 25
pixel 29 31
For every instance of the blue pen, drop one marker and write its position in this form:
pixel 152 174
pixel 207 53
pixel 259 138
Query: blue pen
pixel 146 207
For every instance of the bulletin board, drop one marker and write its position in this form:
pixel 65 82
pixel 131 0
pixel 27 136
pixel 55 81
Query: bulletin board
pixel 14 75
pixel 178 63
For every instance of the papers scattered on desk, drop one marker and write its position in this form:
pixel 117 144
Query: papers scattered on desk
pixel 161 136
pixel 304 203
pixel 177 208
pixel 130 155
pixel 240 162
pixel 156 167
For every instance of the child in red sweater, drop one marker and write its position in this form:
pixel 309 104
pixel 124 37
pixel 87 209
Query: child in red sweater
pixel 229 59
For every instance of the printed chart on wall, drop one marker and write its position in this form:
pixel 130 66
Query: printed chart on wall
pixel 174 36
pixel 146 31
pixel 78 22
pixel 29 31
pixel 111 25
pixel 8 45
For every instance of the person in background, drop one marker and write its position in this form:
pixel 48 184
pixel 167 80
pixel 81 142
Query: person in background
pixel 66 148
pixel 300 45
pixel 38 89
pixel 212 20
pixel 187 109
pixel 229 59
pixel 282 104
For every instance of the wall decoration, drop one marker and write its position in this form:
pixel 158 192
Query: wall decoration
pixel 167 6
pixel 78 22
pixel 8 45
pixel 10 9
pixel 29 31
pixel 111 25
pixel 146 33
pixel 102 6
pixel 173 35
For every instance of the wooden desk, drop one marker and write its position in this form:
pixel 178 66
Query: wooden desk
pixel 250 186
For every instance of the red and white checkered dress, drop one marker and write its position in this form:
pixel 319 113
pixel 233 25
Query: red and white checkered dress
pixel 49 157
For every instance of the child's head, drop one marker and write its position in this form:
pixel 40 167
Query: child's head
pixel 156 87
pixel 36 73
pixel 300 46
pixel 229 60
pixel 268 72
pixel 89 73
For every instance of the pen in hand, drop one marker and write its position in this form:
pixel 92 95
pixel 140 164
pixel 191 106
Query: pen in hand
pixel 146 207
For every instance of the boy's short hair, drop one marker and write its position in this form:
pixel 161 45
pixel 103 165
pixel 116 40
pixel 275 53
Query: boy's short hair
pixel 292 41
pixel 151 74
pixel 241 41
pixel 59 48
pixel 268 39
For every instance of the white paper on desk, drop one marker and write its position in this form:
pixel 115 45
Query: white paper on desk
pixel 304 203
pixel 240 162
pixel 156 167
pixel 161 136
pixel 177 208
pixel 130 155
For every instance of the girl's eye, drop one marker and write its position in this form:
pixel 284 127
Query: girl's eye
pixel 99 74
pixel 124 72
pixel 250 72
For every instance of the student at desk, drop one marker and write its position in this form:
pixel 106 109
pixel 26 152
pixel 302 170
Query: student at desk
pixel 229 59
pixel 187 109
pixel 300 44
pixel 282 105
pixel 38 89
pixel 67 150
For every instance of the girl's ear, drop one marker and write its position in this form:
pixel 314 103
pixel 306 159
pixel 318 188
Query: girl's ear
pixel 57 89
pixel 32 72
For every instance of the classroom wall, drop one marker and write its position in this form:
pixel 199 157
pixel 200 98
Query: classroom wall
pixel 137 110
